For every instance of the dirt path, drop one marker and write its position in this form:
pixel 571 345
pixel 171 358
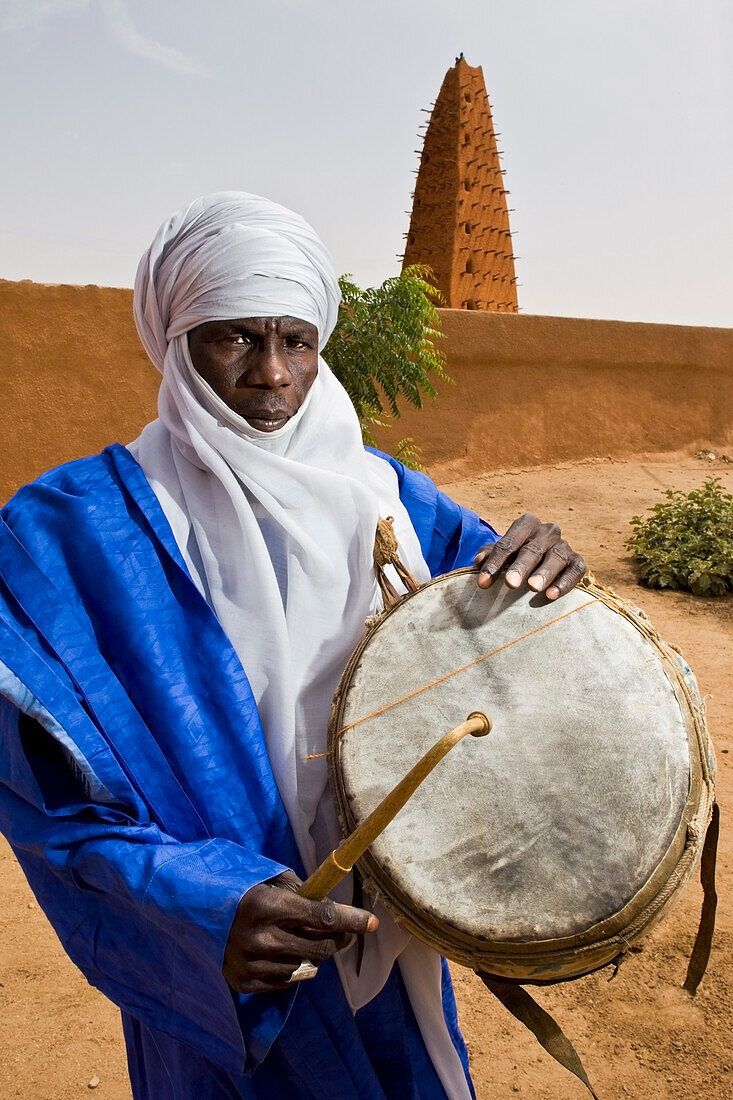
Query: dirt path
pixel 639 1036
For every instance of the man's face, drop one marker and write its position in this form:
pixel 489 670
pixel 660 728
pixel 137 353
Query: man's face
pixel 262 367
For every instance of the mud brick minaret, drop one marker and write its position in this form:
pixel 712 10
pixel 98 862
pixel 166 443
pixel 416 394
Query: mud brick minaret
pixel 460 222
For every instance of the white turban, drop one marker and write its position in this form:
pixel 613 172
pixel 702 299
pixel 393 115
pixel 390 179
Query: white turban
pixel 232 255
pixel 276 528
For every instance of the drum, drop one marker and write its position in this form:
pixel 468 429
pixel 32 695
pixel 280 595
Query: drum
pixel 541 851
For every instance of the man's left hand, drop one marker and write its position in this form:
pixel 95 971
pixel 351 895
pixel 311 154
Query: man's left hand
pixel 535 552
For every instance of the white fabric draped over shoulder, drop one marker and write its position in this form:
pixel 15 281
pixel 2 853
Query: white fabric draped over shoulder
pixel 277 528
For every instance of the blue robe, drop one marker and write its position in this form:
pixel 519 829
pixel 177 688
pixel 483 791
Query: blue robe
pixel 136 792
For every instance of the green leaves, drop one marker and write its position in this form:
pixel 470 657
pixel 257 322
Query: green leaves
pixel 687 542
pixel 383 348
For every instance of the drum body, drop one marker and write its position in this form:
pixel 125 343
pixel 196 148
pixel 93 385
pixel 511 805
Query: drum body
pixel 540 852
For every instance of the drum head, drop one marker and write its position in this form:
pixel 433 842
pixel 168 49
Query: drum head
pixel 555 821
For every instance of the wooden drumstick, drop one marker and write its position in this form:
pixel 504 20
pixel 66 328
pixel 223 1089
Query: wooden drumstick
pixel 338 864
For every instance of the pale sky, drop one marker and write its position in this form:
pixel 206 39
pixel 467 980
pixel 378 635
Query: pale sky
pixel 616 122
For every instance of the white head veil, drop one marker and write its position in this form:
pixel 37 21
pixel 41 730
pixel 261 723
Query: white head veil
pixel 276 528
pixel 232 255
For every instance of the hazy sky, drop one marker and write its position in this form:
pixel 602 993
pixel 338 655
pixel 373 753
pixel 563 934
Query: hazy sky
pixel 616 120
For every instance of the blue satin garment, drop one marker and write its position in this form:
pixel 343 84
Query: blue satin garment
pixel 137 794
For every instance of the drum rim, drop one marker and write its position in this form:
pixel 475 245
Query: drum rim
pixel 598 944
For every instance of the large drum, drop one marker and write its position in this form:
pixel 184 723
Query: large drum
pixel 542 851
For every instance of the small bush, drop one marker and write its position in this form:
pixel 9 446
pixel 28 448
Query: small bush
pixel 687 542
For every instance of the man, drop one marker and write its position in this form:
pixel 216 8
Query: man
pixel 175 617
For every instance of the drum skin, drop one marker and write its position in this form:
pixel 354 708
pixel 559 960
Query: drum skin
pixel 541 852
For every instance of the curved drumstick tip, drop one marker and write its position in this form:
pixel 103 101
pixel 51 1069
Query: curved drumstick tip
pixel 486 723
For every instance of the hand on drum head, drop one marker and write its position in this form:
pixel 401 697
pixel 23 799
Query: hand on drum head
pixel 537 554
pixel 275 930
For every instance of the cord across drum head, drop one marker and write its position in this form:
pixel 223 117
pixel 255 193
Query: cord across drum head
pixel 539 852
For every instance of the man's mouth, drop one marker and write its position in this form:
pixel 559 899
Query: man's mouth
pixel 267 421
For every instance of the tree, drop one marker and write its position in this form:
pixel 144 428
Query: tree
pixel 383 348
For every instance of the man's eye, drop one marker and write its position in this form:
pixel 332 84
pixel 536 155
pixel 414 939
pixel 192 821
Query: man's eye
pixel 238 338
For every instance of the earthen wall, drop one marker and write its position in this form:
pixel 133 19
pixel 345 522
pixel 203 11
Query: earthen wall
pixel 533 390
pixel 527 390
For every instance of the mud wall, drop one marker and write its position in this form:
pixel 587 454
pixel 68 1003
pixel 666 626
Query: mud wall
pixel 533 390
pixel 73 376
pixel 528 390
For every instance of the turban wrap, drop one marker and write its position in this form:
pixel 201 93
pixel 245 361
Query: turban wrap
pixel 232 255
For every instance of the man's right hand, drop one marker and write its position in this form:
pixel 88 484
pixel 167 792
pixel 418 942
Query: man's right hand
pixel 275 930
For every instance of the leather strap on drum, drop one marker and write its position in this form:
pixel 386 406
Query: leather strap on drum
pixel 704 939
pixel 386 553
pixel 546 1031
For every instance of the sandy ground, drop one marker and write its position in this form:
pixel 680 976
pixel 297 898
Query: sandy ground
pixel 640 1036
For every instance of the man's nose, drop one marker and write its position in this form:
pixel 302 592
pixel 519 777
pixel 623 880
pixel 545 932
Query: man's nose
pixel 270 369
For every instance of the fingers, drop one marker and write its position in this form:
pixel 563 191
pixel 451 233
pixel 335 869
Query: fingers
pixel 273 903
pixel 534 552
pixel 531 557
pixel 492 559
pixel 573 572
pixel 315 950
pixel 270 970
pixel 330 916
pixel 553 563
pixel 273 944
pixel 325 917
pixel 262 975
pixel 275 928
pixel 271 955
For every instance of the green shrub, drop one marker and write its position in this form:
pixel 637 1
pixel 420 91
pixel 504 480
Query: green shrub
pixel 687 542
pixel 383 348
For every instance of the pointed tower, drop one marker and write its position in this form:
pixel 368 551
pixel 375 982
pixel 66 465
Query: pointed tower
pixel 460 222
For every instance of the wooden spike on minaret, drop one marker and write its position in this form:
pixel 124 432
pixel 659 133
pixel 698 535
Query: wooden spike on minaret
pixel 459 206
